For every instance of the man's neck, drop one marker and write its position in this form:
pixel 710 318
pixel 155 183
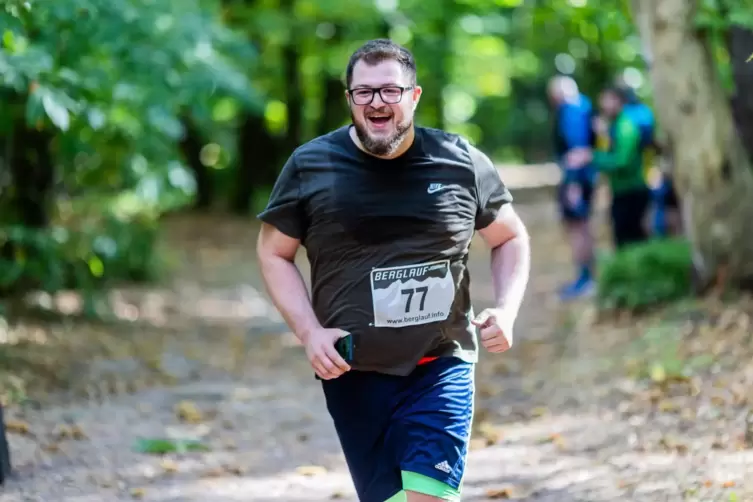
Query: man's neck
pixel 404 145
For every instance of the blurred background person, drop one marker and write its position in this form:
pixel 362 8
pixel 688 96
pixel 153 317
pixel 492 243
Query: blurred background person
pixel 573 114
pixel 622 165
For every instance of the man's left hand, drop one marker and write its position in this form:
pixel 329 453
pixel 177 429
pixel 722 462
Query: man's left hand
pixel 578 158
pixel 495 327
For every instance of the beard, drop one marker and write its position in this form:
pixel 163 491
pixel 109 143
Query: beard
pixel 381 146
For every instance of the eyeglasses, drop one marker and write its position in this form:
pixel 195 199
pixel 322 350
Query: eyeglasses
pixel 390 95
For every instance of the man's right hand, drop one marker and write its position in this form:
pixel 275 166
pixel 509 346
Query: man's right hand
pixel 320 349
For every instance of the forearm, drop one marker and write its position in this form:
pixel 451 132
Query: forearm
pixel 510 266
pixel 289 294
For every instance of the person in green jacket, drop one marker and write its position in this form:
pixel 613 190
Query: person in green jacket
pixel 622 165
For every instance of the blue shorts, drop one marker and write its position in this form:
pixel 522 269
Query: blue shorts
pixel 575 194
pixel 393 428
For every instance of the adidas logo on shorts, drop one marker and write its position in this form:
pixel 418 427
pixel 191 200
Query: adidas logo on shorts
pixel 444 467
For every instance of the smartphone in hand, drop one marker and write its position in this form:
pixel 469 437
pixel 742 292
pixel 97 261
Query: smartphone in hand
pixel 344 347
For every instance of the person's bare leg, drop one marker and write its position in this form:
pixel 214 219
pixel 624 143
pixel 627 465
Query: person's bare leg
pixel 581 242
pixel 582 247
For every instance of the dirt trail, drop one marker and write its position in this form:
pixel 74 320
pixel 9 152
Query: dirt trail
pixel 552 423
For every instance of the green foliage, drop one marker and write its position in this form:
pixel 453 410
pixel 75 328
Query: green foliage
pixel 646 275
pixel 109 84
pixel 127 66
pixel 86 256
pixel 107 88
pixel 160 446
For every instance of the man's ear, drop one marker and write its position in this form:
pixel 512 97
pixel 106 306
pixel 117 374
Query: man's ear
pixel 417 91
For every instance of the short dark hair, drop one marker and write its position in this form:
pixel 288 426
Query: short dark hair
pixel 629 94
pixel 377 51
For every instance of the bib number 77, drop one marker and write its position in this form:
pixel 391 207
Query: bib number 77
pixel 412 294
pixel 421 290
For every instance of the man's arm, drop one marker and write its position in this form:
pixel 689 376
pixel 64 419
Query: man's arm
pixel 510 258
pixel 626 146
pixel 500 226
pixel 280 237
pixel 284 227
pixel 276 254
pixel 575 128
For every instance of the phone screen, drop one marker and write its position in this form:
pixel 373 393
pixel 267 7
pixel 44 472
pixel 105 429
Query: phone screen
pixel 344 347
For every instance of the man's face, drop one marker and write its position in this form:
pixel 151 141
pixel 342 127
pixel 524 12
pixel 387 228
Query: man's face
pixel 610 104
pixel 382 123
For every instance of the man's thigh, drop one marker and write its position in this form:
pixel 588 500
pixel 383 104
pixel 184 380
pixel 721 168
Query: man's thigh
pixel 405 433
pixel 361 407
pixel 432 428
pixel 628 212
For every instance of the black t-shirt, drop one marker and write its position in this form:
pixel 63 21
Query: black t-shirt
pixel 388 241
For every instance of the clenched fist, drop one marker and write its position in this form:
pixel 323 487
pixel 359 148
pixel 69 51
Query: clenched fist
pixel 495 329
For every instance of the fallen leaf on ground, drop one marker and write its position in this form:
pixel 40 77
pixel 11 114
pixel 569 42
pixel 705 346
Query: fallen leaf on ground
pixel 17 427
pixel 168 465
pixel 235 470
pixel 69 432
pixel 188 412
pixel 160 446
pixel 478 444
pixel 490 433
pixel 138 493
pixel 311 470
pixel 504 493
pixel 214 472
pixel 540 411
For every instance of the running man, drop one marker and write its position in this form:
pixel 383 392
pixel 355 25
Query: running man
pixel 622 164
pixel 573 114
pixel 386 212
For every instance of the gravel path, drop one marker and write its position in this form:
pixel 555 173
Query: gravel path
pixel 553 423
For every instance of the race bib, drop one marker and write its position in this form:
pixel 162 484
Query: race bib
pixel 412 294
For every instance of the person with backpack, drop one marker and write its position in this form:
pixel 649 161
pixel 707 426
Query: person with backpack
pixel 622 165
pixel 665 220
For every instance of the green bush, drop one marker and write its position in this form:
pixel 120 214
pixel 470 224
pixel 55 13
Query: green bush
pixel 84 257
pixel 645 275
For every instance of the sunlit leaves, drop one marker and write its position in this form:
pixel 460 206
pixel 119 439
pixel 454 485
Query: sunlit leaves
pixel 156 56
pixel 55 110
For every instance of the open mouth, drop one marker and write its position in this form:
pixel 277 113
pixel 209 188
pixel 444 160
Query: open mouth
pixel 379 120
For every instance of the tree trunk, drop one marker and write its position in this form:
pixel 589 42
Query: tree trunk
pixel 334 106
pixel 291 59
pixel 712 171
pixel 740 45
pixel 443 68
pixel 33 174
pixel 258 159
